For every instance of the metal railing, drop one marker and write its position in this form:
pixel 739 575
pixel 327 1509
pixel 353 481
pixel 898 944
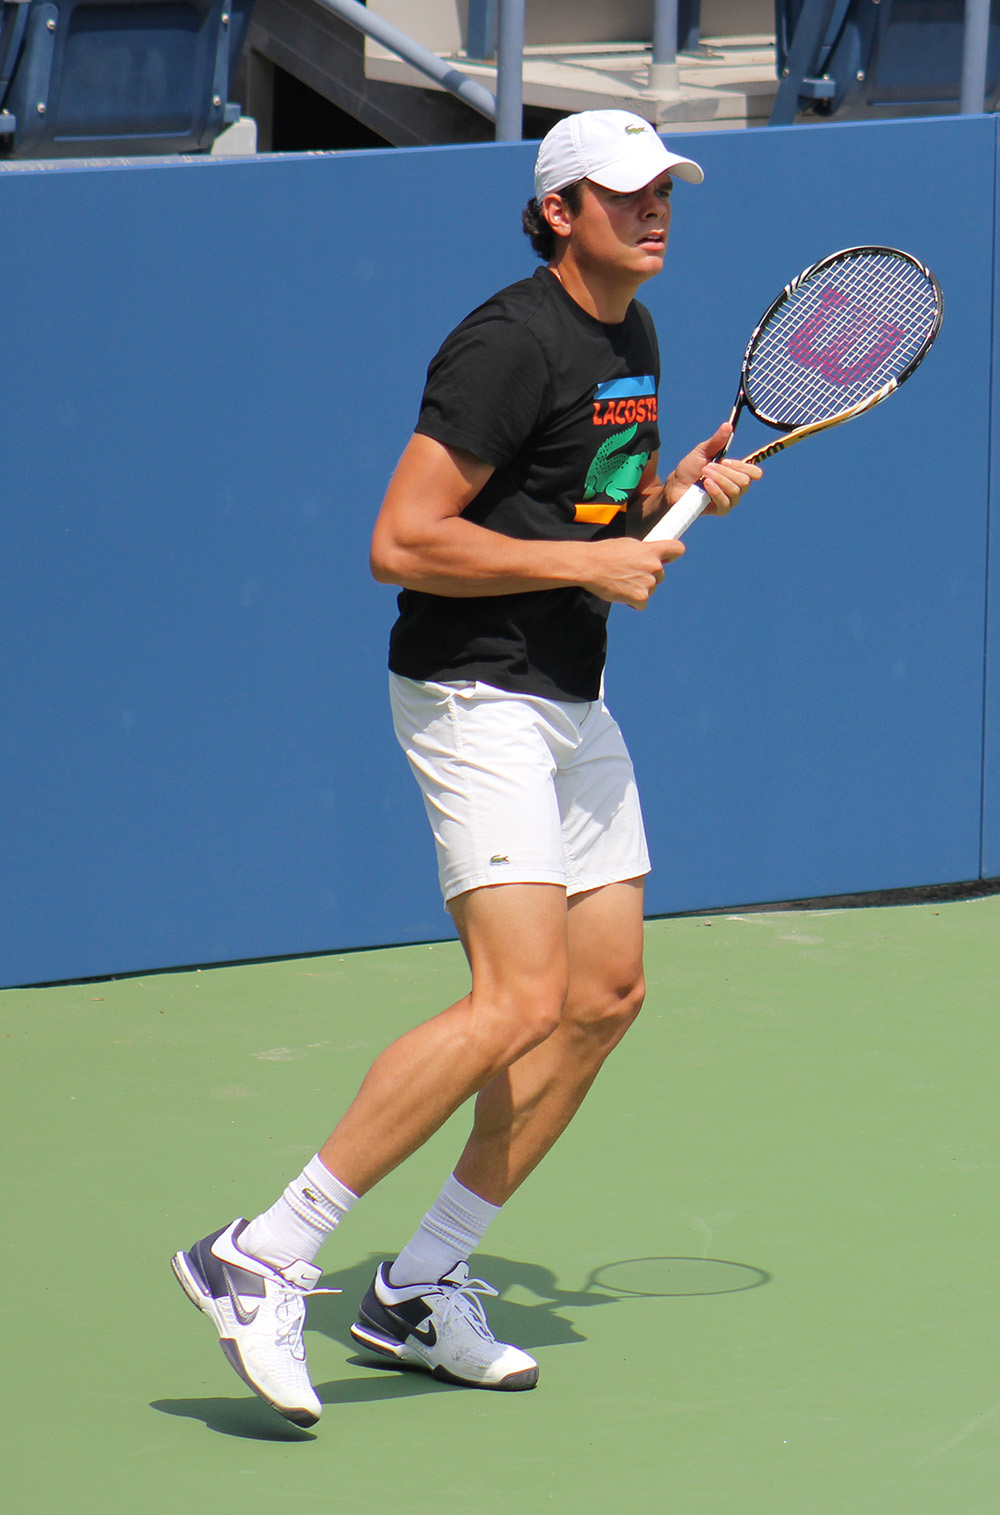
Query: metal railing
pixel 975 45
pixel 426 62
pixel 496 28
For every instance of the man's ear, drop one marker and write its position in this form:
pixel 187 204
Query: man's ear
pixel 557 214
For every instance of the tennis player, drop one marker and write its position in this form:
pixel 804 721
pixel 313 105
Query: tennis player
pixel 513 522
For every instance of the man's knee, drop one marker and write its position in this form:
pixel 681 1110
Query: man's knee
pixel 604 1012
pixel 543 1019
pixel 514 937
pixel 521 1012
pixel 506 1033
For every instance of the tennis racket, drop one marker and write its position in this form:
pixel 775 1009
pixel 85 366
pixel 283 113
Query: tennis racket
pixel 837 340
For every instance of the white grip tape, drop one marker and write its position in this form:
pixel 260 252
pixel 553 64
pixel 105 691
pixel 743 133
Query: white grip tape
pixel 680 516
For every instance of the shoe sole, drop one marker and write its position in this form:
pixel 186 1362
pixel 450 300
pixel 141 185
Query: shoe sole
pixel 188 1278
pixel 386 1346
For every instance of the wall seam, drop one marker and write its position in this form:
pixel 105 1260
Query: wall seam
pixel 991 389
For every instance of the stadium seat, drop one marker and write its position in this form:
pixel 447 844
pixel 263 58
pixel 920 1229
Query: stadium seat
pixel 874 58
pixel 113 78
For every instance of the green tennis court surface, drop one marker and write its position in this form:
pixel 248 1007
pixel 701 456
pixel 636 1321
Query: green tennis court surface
pixel 759 1273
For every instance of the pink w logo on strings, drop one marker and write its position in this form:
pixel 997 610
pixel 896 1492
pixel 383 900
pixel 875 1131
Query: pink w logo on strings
pixel 853 327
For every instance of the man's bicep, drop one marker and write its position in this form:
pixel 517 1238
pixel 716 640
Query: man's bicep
pixel 432 484
pixel 434 481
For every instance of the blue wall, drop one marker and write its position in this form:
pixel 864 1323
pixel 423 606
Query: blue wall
pixel 210 369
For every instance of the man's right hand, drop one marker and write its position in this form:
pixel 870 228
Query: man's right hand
pixel 626 571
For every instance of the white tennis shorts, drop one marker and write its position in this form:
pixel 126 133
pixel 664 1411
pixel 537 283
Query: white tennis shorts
pixel 520 789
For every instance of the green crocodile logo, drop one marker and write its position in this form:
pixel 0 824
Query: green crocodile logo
pixel 612 474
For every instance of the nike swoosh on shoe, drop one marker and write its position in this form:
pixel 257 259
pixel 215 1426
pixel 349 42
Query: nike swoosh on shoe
pixel 245 1317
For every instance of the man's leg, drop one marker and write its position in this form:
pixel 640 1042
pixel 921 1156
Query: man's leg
pixel 515 937
pixel 525 1107
pixel 520 1112
pixel 244 1277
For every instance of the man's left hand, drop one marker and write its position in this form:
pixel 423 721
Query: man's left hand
pixel 725 482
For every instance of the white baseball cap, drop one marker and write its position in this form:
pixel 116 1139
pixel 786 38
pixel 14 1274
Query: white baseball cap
pixel 614 148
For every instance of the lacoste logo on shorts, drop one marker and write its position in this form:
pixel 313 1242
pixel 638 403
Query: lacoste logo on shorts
pixel 497 861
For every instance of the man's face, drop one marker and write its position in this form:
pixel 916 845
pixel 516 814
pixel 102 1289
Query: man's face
pixel 626 232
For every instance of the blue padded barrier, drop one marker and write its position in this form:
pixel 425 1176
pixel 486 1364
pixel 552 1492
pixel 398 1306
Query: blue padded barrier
pixel 212 367
pixel 841 611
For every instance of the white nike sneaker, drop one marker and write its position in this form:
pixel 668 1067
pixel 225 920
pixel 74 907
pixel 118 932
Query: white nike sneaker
pixel 259 1313
pixel 441 1327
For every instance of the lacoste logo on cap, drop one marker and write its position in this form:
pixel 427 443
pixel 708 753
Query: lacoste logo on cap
pixel 634 131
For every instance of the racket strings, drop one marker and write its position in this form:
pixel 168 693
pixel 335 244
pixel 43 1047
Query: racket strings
pixel 844 331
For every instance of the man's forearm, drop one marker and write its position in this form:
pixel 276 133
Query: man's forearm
pixel 461 559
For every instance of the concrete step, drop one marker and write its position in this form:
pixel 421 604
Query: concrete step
pixel 729 83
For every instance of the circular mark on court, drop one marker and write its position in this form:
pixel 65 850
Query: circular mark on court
pixel 664 1276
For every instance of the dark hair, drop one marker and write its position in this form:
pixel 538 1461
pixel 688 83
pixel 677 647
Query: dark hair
pixel 536 227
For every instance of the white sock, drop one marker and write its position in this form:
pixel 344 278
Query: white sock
pixel 448 1234
pixel 299 1223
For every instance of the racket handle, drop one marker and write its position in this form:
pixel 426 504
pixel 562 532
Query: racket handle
pixel 680 516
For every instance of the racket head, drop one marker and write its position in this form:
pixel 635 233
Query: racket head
pixel 841 336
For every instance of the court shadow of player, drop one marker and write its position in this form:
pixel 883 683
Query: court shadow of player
pixel 536 1323
pixel 250 1418
pixel 253 1420
pixel 531 1299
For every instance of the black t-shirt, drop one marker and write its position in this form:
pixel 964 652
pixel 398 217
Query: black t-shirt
pixel 564 408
